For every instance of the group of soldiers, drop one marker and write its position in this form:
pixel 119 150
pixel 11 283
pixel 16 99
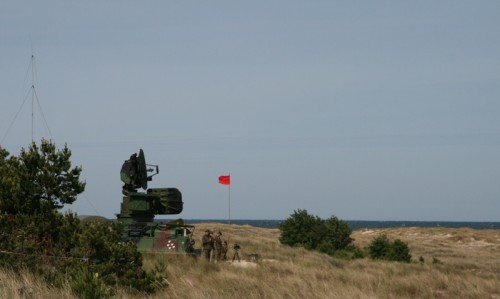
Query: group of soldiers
pixel 213 248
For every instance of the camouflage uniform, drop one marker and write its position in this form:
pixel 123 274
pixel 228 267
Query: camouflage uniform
pixel 207 243
pixel 224 251
pixel 218 246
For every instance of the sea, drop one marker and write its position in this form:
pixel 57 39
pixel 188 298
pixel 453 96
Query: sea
pixel 361 224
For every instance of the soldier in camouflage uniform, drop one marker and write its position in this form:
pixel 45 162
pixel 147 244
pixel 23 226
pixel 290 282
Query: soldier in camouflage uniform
pixel 218 246
pixel 207 243
pixel 224 251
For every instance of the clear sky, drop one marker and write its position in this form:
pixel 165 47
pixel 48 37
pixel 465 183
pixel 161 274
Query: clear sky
pixel 367 110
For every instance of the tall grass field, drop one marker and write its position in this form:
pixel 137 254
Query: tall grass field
pixel 446 263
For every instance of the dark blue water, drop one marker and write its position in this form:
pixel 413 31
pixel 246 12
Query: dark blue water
pixel 360 224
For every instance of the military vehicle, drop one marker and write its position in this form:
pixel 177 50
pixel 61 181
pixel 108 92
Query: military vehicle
pixel 138 210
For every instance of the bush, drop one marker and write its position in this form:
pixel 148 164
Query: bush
pixel 383 249
pixel 399 252
pixel 327 236
pixel 337 233
pixel 87 285
pixel 115 262
pixel 302 229
pixel 351 252
pixel 379 247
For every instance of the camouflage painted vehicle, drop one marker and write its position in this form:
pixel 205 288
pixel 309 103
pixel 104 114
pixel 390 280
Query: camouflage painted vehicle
pixel 138 209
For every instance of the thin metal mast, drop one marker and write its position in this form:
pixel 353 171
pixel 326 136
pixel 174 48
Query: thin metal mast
pixel 32 96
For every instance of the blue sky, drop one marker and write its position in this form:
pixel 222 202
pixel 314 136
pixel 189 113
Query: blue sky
pixel 367 110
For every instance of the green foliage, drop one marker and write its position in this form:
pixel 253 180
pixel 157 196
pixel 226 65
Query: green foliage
pixel 35 235
pixel 379 247
pixel 116 262
pixel 40 180
pixel 351 252
pixel 303 229
pixel 338 233
pixel 160 265
pixel 87 285
pixel 399 252
pixel 384 249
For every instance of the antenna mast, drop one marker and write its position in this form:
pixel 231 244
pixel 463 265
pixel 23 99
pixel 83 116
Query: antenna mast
pixel 32 95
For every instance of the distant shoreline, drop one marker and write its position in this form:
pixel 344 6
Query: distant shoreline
pixel 357 224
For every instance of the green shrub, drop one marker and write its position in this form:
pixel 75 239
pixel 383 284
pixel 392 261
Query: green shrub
pixel 116 262
pixel 338 233
pixel 379 247
pixel 382 248
pixel 351 252
pixel 327 236
pixel 87 285
pixel 302 229
pixel 399 251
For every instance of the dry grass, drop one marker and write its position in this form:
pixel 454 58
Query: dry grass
pixel 25 285
pixel 467 265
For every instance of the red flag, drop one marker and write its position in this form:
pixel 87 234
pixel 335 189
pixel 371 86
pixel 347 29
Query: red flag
pixel 225 180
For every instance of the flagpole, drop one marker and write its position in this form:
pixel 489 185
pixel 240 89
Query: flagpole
pixel 229 201
pixel 226 180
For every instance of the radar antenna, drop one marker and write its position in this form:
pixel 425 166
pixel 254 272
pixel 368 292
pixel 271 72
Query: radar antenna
pixel 134 172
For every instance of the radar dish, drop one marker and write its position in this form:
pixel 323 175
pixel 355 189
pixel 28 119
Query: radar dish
pixel 134 172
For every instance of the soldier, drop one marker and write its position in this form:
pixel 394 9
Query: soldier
pixel 207 243
pixel 218 246
pixel 224 251
pixel 236 255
